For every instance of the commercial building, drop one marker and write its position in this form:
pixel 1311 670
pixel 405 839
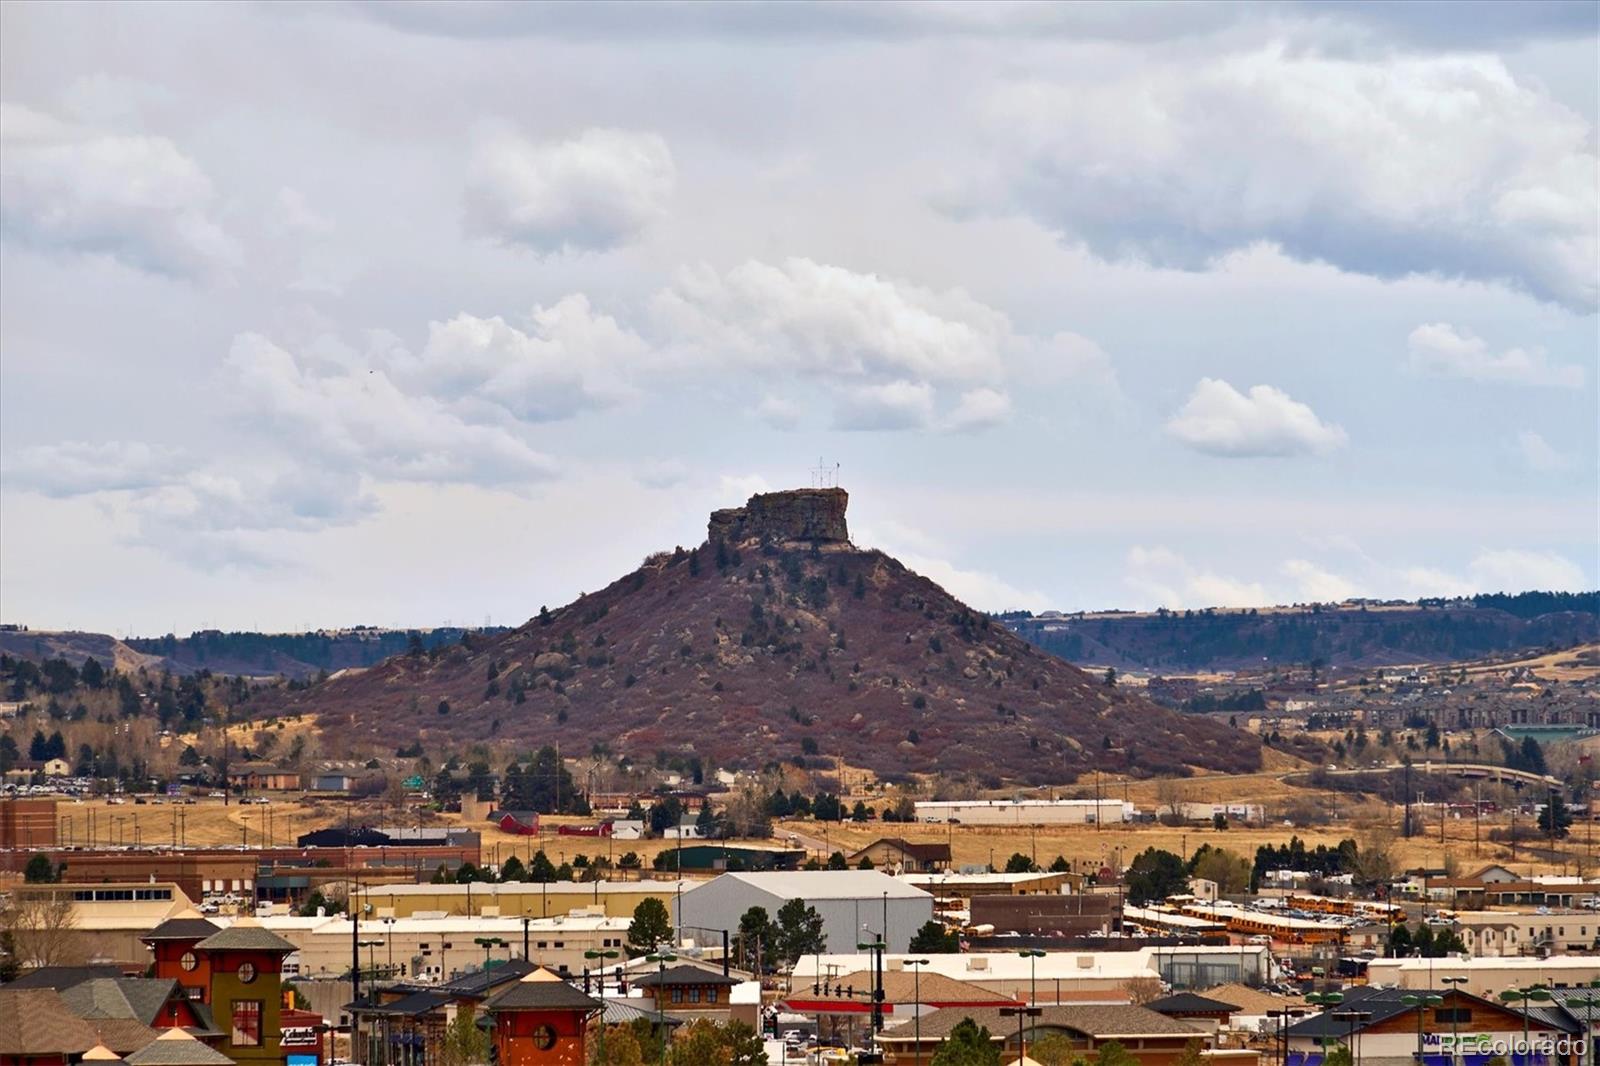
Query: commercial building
pixel 444 948
pixel 1491 934
pixel 1069 976
pixel 950 885
pixel 541 1021
pixel 104 922
pixel 1153 1039
pixel 1390 1032
pixel 27 823
pixel 1047 915
pixel 1486 977
pixel 1026 812
pixel 518 899
pixel 897 855
pixel 854 904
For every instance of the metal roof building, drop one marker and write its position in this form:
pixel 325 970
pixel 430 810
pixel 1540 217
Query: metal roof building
pixel 855 905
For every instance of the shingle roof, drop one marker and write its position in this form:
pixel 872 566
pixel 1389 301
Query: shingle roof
pixel 182 928
pixel 59 977
pixel 907 986
pixel 140 998
pixel 1251 1000
pixel 122 1035
pixel 1101 1022
pixel 246 935
pixel 622 1012
pixel 174 1047
pixel 1190 1003
pixel 483 982
pixel 541 990
pixel 35 1022
pixel 683 974
pixel 931 852
pixel 410 1006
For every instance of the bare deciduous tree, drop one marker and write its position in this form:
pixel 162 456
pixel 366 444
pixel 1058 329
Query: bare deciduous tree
pixel 39 926
pixel 1141 990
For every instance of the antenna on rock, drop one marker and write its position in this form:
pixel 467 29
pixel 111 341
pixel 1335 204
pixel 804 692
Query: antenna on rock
pixel 825 476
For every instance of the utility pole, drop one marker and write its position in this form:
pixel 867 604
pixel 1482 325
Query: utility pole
pixel 1406 828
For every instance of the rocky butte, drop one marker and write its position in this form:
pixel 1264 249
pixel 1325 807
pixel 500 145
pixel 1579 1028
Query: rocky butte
pixel 812 515
pixel 775 641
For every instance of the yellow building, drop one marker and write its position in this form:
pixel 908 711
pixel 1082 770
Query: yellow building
pixel 101 923
pixel 443 948
pixel 519 899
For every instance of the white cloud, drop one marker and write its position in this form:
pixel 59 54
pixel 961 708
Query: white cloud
pixel 1389 166
pixel 1498 570
pixel 1539 455
pixel 78 468
pixel 1519 570
pixel 979 409
pixel 367 420
pixel 1163 577
pixel 892 405
pixel 134 198
pixel 1441 350
pixel 737 488
pixel 779 413
pixel 891 351
pixel 598 191
pixel 569 360
pixel 1315 584
pixel 926 555
pixel 812 318
pixel 1219 420
pixel 661 473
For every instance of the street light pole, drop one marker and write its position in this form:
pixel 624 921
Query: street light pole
pixel 602 954
pixel 1421 1003
pixel 661 958
pixel 1033 955
pixel 1455 1013
pixel 916 999
pixel 1532 994
pixel 1021 1013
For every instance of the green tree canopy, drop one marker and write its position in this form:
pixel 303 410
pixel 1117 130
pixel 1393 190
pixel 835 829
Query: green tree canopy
pixel 933 939
pixel 799 931
pixel 1155 875
pixel 651 925
pixel 968 1045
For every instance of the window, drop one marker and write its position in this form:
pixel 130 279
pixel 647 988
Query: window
pixel 246 1023
pixel 1452 1015
pixel 694 995
pixel 677 995
pixel 711 995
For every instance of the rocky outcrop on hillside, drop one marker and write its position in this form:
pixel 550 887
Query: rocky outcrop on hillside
pixel 815 515
pixel 775 641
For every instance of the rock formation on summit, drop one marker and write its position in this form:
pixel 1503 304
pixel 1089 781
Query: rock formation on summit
pixel 797 514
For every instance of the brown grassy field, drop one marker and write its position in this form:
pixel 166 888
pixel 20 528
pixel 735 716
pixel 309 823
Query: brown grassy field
pixel 209 822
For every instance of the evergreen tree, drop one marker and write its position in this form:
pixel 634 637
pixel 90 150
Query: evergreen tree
pixel 968 1045
pixel 933 939
pixel 799 931
pixel 650 927
pixel 541 871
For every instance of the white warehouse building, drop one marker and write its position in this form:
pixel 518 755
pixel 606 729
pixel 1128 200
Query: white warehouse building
pixel 855 905
pixel 1026 812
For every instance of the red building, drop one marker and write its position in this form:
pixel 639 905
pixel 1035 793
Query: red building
pixel 172 943
pixel 541 1021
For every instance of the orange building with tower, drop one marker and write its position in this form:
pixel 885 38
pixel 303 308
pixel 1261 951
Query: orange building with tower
pixel 541 1020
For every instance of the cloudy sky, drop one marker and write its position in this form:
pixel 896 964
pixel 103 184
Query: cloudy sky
pixel 360 313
